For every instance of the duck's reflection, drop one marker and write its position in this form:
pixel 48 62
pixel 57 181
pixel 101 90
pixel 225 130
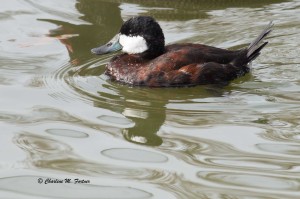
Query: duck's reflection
pixel 147 125
pixel 147 108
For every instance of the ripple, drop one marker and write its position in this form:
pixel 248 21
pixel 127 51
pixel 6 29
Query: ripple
pixel 57 82
pixel 39 114
pixel 40 145
pixel 187 189
pixel 263 164
pixel 67 133
pixel 29 185
pixel 7 117
pixel 136 155
pixel 251 180
pixel 194 149
pixel 90 168
pixel 288 149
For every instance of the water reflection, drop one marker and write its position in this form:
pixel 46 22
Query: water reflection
pixel 147 119
pixel 79 39
pixel 184 10
pixel 147 122
pixel 147 108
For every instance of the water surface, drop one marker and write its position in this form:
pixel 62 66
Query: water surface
pixel 62 118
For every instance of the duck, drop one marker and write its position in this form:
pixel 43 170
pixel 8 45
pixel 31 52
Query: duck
pixel 147 61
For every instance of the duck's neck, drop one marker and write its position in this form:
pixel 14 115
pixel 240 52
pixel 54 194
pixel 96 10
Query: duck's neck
pixel 152 53
pixel 156 47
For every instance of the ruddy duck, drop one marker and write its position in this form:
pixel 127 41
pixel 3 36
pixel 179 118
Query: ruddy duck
pixel 146 60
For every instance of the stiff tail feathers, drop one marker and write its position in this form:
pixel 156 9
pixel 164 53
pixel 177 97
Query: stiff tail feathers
pixel 253 50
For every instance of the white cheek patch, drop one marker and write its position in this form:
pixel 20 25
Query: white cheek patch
pixel 133 44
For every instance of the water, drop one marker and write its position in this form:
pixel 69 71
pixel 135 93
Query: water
pixel 61 118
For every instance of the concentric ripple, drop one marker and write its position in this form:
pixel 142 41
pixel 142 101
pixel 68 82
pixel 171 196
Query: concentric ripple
pixel 38 145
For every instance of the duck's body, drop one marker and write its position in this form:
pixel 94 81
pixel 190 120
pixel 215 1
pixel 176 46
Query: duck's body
pixel 156 65
pixel 180 65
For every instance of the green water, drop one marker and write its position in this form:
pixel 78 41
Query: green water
pixel 62 118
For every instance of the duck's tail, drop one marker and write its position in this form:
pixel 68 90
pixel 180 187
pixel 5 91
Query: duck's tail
pixel 253 50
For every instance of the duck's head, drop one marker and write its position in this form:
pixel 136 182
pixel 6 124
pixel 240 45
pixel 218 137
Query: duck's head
pixel 138 35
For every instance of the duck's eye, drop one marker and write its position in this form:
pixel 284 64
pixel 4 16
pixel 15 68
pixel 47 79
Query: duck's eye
pixel 109 44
